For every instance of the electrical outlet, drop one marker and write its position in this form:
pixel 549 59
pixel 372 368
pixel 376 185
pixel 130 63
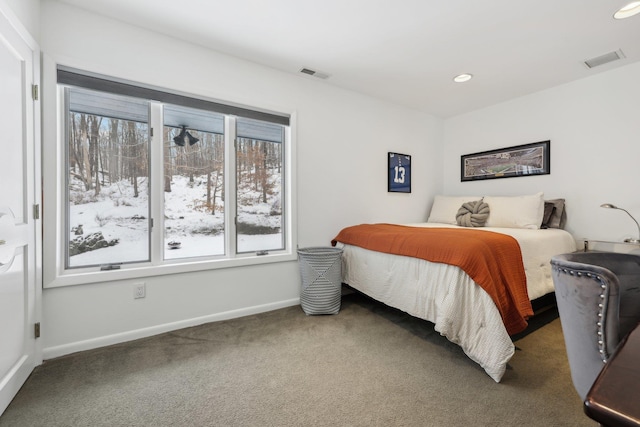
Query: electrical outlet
pixel 139 290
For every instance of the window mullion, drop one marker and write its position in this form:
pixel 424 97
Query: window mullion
pixel 230 201
pixel 156 188
pixel 63 250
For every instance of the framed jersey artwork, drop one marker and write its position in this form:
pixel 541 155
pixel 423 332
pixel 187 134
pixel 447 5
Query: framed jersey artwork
pixel 399 173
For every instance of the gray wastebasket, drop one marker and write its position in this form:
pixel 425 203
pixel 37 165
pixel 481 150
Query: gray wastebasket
pixel 321 273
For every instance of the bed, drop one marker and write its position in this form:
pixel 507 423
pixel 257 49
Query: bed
pixel 445 294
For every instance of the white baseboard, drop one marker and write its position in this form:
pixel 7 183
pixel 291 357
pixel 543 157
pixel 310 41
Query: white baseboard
pixel 61 350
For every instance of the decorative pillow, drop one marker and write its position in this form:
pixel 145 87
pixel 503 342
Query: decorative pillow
pixel 473 214
pixel 558 216
pixel 445 208
pixel 515 211
pixel 548 211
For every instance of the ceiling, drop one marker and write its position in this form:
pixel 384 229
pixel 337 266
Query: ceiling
pixel 403 51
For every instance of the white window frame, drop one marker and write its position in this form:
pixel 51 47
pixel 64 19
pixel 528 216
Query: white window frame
pixel 55 274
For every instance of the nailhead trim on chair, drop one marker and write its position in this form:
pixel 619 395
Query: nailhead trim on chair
pixel 602 349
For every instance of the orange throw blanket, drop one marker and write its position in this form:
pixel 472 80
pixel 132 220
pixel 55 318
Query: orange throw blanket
pixel 492 260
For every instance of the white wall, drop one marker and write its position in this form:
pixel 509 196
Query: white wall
pixel 342 142
pixel 594 128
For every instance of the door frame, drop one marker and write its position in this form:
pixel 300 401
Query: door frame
pixel 19 39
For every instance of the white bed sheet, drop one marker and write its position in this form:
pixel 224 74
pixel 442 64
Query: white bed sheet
pixel 537 247
pixel 446 296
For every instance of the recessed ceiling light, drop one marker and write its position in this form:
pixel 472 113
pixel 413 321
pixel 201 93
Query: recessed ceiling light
pixel 631 9
pixel 461 78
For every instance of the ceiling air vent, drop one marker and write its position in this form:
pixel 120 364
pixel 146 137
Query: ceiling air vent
pixel 604 59
pixel 314 73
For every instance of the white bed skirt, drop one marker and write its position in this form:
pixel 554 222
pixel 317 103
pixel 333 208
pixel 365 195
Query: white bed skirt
pixel 442 294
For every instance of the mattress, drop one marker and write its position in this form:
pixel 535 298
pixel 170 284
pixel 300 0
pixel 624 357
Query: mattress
pixel 446 296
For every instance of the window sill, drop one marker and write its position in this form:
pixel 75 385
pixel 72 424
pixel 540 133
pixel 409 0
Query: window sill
pixel 134 272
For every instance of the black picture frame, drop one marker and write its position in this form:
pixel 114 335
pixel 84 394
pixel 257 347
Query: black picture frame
pixel 398 173
pixel 519 160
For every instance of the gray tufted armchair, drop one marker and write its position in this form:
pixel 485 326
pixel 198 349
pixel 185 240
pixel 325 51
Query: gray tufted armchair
pixel 598 296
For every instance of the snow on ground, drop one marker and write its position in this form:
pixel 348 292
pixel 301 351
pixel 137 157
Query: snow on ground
pixel 117 214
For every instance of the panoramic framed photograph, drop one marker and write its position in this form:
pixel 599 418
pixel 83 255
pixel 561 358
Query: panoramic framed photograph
pixel 399 173
pixel 519 160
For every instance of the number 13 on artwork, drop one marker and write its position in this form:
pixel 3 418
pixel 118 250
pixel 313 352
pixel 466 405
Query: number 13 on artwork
pixel 399 173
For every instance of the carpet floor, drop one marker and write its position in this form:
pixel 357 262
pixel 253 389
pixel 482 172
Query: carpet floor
pixel 369 365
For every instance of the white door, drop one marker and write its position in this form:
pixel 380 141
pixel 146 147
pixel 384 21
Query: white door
pixel 20 278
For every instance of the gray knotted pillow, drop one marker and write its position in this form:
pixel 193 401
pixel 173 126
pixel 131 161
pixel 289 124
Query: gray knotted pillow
pixel 473 214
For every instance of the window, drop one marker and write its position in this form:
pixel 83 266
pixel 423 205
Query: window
pixel 156 178
pixel 259 186
pixel 108 177
pixel 193 183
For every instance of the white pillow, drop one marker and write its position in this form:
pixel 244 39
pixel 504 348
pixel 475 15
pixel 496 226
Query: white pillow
pixel 515 211
pixel 445 208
